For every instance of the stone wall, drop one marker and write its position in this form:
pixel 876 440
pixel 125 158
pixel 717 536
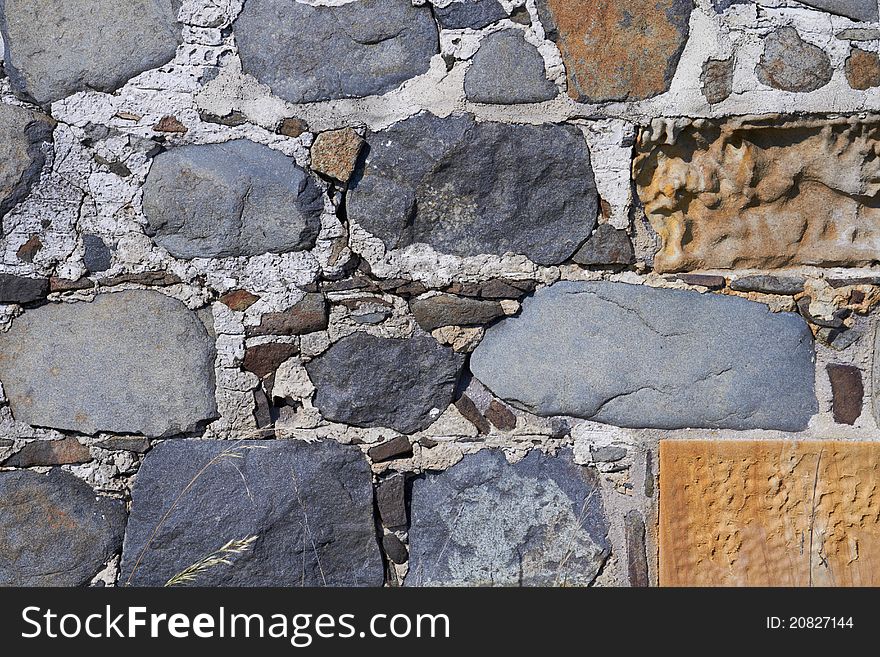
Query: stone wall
pixel 447 292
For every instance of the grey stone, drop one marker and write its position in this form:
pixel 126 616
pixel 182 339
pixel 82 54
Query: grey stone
pixel 637 356
pixel 722 5
pixel 369 381
pixel 65 451
pixel 97 255
pixel 791 64
pixel 394 548
pixel 607 246
pixel 231 199
pixel 858 10
pixel 55 48
pixel 449 310
pixel 133 362
pixel 717 80
pixel 21 289
pixel 54 530
pixel 485 522
pixel 636 553
pixel 469 14
pixel 307 54
pixel 859 34
pixel 470 188
pixel 508 70
pixel 789 285
pixel 391 501
pixel 310 507
pixel 23 134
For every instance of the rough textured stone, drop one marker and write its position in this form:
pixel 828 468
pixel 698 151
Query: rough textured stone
pixel 49 452
pixel 636 553
pixel 363 48
pixel 863 69
pixel 54 530
pixel 29 250
pixel 170 124
pixel 763 193
pixel 637 356
pixel 264 359
pixel 310 507
pixel 858 10
pixel 617 50
pixel 293 127
pixel 97 255
pixel 708 281
pixel 469 14
pixel 791 64
pixel 23 134
pixel 508 70
pixel 607 246
pixel 789 285
pixel 485 522
pixel 21 289
pixel 717 80
pixel 380 382
pixel 139 445
pixel 471 413
pixel 308 315
pixel 54 48
pixel 398 447
pixel 501 416
pixel 394 549
pixel 391 501
pixel 335 153
pixel 449 310
pixel 129 362
pixel 239 300
pixel 231 199
pixel 847 392
pixel 470 188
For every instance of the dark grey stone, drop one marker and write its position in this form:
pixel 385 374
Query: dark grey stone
pixel 449 310
pixel 97 256
pixel 791 64
pixel 636 552
pixel 307 54
pixel 133 362
pixel 485 522
pixel 310 507
pixel 470 188
pixel 858 10
pixel 381 382
pixel 23 134
pixel 397 447
pixel 55 48
pixel 607 246
pixel 394 549
pixel 768 284
pixel 508 70
pixel 722 5
pixel 391 501
pixel 469 14
pixel 717 80
pixel 21 289
pixel 231 199
pixel 54 529
pixel 637 356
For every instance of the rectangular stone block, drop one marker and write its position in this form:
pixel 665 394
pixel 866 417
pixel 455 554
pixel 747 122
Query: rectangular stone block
pixel 769 513
pixel 762 193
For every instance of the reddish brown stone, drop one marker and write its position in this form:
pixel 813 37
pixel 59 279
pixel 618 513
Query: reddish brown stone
pixel 501 416
pixel 66 285
pixel 27 251
pixel 847 393
pixel 307 316
pixel 239 300
pixel 264 359
pixel 170 124
pixel 471 413
pixel 393 449
pixel 293 127
pixel 863 69
pixel 66 451
pixel 391 501
pixel 335 153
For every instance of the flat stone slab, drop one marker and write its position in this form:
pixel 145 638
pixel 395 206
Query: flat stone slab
pixel 858 10
pixel 54 529
pixel 232 199
pixel 485 522
pixel 307 54
pixel 133 362
pixel 309 507
pixel 55 48
pixel 369 381
pixel 468 188
pixel 469 14
pixel 642 357
pixel 508 70
pixel 22 136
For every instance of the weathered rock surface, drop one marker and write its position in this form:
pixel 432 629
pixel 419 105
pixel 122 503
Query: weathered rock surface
pixel 54 48
pixel 863 69
pixel 764 194
pixel 485 522
pixel 469 14
pixel 789 285
pixel 22 136
pixel 858 10
pixel 308 315
pixel 508 70
pixel 847 392
pixel 449 310
pixel 22 289
pixel 380 382
pixel 49 452
pixel 129 362
pixel 637 356
pixel 310 507
pixel 97 256
pixel 717 80
pixel 363 48
pixel 335 153
pixel 237 198
pixel 791 64
pixel 470 188
pixel 607 246
pixel 54 530
pixel 617 50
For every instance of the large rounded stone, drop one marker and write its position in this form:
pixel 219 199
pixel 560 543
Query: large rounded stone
pixel 469 188
pixel 369 381
pixel 55 48
pixel 485 522
pixel 363 48
pixel 642 357
pixel 130 362
pixel 22 136
pixel 232 199
pixel 54 530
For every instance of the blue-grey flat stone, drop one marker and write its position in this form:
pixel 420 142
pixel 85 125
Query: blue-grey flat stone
pixel 858 10
pixel 637 356
pixel 508 70
pixel 469 14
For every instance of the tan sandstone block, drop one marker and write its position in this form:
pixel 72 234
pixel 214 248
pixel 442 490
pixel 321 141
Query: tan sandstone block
pixel 769 513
